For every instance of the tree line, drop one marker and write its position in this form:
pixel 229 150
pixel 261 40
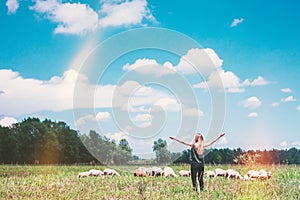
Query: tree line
pixel 228 156
pixel 33 141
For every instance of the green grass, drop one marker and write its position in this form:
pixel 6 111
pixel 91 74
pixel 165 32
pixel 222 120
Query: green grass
pixel 61 182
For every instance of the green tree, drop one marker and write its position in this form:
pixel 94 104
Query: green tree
pixel 163 155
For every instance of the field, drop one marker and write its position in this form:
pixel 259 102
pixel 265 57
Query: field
pixel 61 182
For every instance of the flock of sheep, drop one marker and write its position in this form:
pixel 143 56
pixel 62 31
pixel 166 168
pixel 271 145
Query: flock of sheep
pixel 230 173
pixel 168 171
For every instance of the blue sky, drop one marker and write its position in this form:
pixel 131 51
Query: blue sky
pixel 52 53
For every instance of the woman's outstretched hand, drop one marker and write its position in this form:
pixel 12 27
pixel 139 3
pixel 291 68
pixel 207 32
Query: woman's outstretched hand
pixel 221 135
pixel 172 138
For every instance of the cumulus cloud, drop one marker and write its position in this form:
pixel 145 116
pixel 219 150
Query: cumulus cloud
pixel 84 120
pixel 283 143
pixel 252 102
pixel 236 22
pixel 12 6
pixel 125 13
pixel 202 61
pixel 27 96
pixel 103 116
pixel 298 107
pixel 192 112
pixel 7 121
pixel 286 90
pixel 72 18
pixel 117 136
pixel 222 80
pixel 150 66
pixel 288 99
pixel 275 104
pixel 253 114
pixel 259 81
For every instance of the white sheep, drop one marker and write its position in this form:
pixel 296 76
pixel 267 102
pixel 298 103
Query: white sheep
pixel 168 171
pixel 263 174
pixel 253 174
pixel 230 173
pixel 83 174
pixel 210 174
pixel 184 173
pixel 139 172
pixel 111 172
pixel 220 172
pixel 95 172
pixel 157 171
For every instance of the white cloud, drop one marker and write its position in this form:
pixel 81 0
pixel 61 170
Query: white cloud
pixel 202 61
pixel 169 104
pixel 192 112
pixel 142 118
pixel 275 104
pixel 286 144
pixel 222 80
pixel 117 136
pixel 72 18
pixel 252 103
pixel 26 96
pixel 259 81
pixel 286 90
pixel 150 66
pixel 12 6
pixel 236 22
pixel 103 116
pixel 85 120
pixel 125 13
pixel 288 99
pixel 7 121
pixel 283 143
pixel 298 107
pixel 253 114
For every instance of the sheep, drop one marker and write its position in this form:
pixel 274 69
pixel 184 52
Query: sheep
pixel 184 173
pixel 253 174
pixel 230 173
pixel 247 178
pixel 168 171
pixel 220 172
pixel 84 174
pixel 264 175
pixel 157 171
pixel 139 172
pixel 110 172
pixel 210 174
pixel 94 172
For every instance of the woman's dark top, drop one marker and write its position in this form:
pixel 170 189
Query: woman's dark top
pixel 194 157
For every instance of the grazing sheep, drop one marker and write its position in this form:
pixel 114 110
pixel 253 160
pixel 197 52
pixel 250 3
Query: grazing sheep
pixel 253 174
pixel 184 173
pixel 157 171
pixel 139 172
pixel 83 174
pixel 94 172
pixel 233 174
pixel 264 175
pixel 168 171
pixel 111 172
pixel 210 174
pixel 220 172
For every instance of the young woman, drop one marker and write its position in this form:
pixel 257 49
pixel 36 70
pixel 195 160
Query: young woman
pixel 197 157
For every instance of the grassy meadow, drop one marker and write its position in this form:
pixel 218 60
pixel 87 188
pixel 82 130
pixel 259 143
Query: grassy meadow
pixel 61 182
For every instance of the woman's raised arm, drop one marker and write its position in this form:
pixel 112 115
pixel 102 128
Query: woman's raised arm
pixel 180 141
pixel 221 135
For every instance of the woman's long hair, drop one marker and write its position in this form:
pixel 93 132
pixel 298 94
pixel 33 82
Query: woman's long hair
pixel 199 140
